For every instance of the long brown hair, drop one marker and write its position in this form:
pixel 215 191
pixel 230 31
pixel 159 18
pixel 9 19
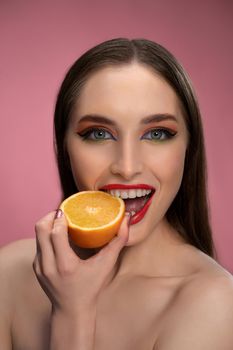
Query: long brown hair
pixel 188 213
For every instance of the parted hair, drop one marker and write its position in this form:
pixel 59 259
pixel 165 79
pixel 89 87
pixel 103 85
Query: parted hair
pixel 189 211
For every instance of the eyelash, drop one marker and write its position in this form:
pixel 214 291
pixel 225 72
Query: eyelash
pixel 169 134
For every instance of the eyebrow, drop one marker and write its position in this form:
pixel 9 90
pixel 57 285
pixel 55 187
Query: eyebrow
pixel 108 121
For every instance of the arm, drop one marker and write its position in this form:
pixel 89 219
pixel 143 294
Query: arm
pixel 73 332
pixel 5 337
pixel 203 322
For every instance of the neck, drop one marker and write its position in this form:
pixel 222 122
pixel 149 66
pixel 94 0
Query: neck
pixel 155 255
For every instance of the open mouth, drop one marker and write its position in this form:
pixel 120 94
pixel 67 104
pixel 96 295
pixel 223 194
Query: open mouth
pixel 136 206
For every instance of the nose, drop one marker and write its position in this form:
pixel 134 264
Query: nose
pixel 128 162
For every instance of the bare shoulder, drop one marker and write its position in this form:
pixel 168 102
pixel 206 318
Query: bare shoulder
pixel 16 263
pixel 15 271
pixel 201 316
pixel 212 286
pixel 17 254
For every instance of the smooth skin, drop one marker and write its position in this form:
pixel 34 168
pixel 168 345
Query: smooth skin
pixel 147 289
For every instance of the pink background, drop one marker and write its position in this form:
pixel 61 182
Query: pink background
pixel 40 40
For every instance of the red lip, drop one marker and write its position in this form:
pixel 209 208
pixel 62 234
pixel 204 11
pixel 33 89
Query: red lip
pixel 121 186
pixel 140 215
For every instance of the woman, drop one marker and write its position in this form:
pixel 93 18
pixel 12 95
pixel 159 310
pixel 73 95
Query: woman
pixel 126 119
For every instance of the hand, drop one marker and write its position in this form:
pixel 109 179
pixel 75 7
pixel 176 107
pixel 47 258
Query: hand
pixel 70 282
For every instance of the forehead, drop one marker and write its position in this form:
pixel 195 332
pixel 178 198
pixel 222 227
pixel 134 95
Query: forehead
pixel 127 90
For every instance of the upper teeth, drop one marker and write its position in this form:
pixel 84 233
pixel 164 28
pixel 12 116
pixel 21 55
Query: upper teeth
pixel 132 193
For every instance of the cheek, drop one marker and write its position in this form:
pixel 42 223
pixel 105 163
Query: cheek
pixel 87 163
pixel 174 177
pixel 168 166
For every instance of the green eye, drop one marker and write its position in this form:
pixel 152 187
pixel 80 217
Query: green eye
pixel 99 134
pixel 95 134
pixel 159 134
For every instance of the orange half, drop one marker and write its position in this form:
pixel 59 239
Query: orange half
pixel 93 217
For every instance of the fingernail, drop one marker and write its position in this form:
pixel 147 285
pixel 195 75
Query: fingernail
pixel 59 214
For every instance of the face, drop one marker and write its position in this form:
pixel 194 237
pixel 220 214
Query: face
pixel 128 129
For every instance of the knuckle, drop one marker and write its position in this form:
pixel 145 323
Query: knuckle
pixel 47 272
pixel 67 268
pixel 55 236
pixel 41 269
pixel 54 233
pixel 40 225
pixel 58 229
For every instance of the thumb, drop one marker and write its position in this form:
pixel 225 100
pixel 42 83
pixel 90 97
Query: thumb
pixel 123 233
pixel 113 248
